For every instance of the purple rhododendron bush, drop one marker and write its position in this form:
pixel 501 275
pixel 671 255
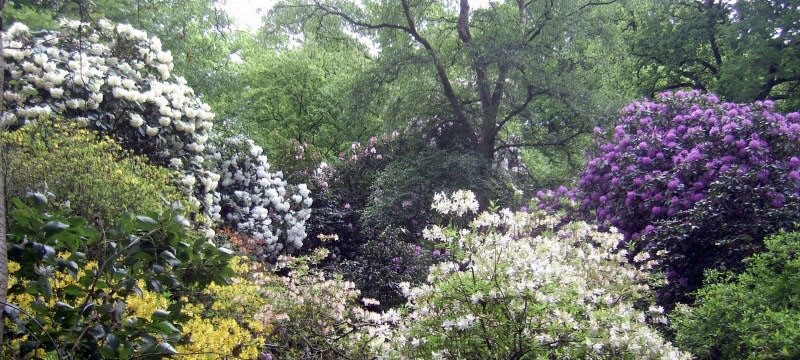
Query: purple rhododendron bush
pixel 696 182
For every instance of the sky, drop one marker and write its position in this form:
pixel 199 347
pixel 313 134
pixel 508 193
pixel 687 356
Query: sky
pixel 248 13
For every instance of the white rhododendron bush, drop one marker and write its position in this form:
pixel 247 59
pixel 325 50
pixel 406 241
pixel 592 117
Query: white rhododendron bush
pixel 115 79
pixel 256 201
pixel 522 289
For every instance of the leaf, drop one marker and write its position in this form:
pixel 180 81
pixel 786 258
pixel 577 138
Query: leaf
pixel 161 314
pixel 166 348
pixel 146 220
pixel 87 310
pixel 97 332
pixel 165 327
pixel 74 290
pixel 156 285
pixel 112 341
pixel 53 227
pixel 158 269
pixel 39 200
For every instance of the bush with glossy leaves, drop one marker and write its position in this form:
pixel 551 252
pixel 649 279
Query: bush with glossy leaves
pixel 120 293
pixel 113 79
pixel 255 201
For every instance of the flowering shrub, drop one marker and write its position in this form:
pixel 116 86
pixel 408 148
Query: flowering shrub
pixel 309 314
pixel 377 202
pixel 254 201
pixel 120 293
pixel 750 315
pixel 66 160
pixel 112 78
pixel 701 179
pixel 520 290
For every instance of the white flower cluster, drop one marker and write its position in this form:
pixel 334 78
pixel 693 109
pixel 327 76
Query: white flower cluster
pixel 112 78
pixel 563 292
pixel 460 203
pixel 257 202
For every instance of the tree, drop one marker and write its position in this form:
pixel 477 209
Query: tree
pixel 295 101
pixel 744 50
pixel 479 71
pixel 3 244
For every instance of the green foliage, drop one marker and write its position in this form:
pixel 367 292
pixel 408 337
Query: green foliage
pixel 533 81
pixel 295 102
pixel 82 293
pixel 92 172
pixel 743 50
pixel 753 315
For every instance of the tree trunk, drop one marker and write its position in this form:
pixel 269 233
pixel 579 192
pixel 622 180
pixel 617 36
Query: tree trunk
pixel 3 245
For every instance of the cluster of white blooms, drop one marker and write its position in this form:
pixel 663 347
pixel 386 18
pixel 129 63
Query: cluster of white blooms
pixel 460 203
pixel 257 202
pixel 115 79
pixel 520 283
pixel 109 77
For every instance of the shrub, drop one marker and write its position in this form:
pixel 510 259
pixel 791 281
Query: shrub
pixel 308 313
pixel 377 203
pixel 700 180
pixel 125 292
pixel 520 290
pixel 111 78
pixel 255 201
pixel 753 315
pixel 92 172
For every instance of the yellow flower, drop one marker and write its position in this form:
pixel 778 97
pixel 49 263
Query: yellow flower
pixel 145 305
pixel 218 338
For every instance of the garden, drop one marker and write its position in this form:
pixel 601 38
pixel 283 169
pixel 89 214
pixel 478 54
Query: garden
pixel 410 179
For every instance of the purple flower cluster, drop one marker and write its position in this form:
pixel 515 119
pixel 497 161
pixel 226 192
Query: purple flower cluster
pixel 666 155
pixel 703 179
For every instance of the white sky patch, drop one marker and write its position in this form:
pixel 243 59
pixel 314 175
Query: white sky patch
pixel 247 13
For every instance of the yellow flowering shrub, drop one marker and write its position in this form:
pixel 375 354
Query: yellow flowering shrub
pixel 60 281
pixel 145 304
pixel 93 172
pixel 229 328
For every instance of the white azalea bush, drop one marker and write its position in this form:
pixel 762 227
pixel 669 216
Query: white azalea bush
pixel 115 79
pixel 521 289
pixel 255 201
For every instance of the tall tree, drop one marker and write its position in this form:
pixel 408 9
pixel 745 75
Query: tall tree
pixel 296 97
pixel 745 50
pixel 479 72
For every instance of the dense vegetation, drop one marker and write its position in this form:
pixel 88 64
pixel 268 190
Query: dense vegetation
pixel 403 179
